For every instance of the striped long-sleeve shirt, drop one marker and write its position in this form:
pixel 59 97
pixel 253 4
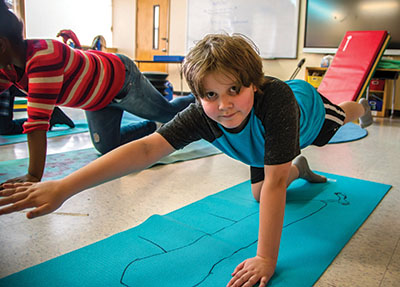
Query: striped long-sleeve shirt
pixel 57 75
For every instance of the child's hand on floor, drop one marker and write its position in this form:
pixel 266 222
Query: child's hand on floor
pixel 20 179
pixel 25 178
pixel 251 271
pixel 45 196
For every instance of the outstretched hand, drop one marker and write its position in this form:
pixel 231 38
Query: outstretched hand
pixel 44 196
pixel 251 271
pixel 25 178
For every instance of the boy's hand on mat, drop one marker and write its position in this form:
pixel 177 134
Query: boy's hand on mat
pixel 251 271
pixel 25 178
pixel 44 196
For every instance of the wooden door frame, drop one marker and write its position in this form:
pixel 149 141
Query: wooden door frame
pixel 168 12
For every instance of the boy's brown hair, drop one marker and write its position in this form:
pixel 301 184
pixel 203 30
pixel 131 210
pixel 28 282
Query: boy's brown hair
pixel 234 56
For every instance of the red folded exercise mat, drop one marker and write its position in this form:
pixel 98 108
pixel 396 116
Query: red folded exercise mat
pixel 353 65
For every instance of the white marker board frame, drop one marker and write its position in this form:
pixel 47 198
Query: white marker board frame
pixel 271 24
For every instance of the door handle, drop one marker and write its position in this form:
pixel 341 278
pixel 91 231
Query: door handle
pixel 163 50
pixel 165 39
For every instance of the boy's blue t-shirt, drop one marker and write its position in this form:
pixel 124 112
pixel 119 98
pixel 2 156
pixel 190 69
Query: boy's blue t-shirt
pixel 285 117
pixel 312 110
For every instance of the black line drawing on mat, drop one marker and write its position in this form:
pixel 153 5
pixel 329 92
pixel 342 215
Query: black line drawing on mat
pixel 341 199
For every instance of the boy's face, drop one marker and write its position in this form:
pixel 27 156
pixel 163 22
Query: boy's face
pixel 225 101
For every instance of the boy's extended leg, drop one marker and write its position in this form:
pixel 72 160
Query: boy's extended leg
pixel 360 110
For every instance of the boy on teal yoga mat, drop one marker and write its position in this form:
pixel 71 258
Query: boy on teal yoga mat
pixel 105 85
pixel 258 120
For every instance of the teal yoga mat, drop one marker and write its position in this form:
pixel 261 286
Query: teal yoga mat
pixel 61 164
pixel 81 126
pixel 201 244
pixel 348 132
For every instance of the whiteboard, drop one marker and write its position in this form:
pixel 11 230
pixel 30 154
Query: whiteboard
pixel 271 24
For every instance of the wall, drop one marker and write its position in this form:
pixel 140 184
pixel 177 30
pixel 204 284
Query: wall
pixel 124 26
pixel 124 31
pixel 281 69
pixel 40 23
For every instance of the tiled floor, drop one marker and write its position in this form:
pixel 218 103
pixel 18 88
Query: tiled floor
pixel 371 258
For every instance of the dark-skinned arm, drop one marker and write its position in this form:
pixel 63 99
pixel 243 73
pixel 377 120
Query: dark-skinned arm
pixel 37 144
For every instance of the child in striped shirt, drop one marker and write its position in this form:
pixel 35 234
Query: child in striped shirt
pixel 103 84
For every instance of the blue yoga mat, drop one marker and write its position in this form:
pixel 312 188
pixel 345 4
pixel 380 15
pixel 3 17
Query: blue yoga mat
pixel 349 132
pixel 201 244
pixel 62 164
pixel 81 126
